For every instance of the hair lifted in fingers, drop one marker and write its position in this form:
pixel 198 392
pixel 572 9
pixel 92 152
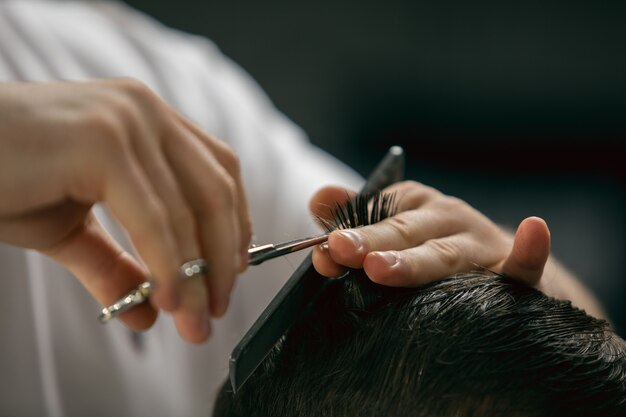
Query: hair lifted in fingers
pixel 470 345
pixel 362 210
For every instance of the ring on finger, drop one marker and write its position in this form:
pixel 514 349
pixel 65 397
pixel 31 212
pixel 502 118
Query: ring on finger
pixel 194 268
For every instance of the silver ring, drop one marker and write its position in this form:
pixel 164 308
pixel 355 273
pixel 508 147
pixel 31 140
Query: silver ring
pixel 194 268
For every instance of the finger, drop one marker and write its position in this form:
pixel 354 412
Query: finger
pixel 148 152
pixel 404 230
pixel 131 199
pixel 212 193
pixel 401 231
pixel 420 265
pixel 530 252
pixel 229 160
pixel 104 268
pixel 322 206
pixel 324 202
pixel 192 318
pixel 324 264
pixel 408 228
pixel 412 194
pixel 224 266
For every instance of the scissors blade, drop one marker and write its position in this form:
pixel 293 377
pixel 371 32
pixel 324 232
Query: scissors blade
pixel 259 254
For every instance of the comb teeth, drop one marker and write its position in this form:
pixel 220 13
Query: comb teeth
pixel 362 210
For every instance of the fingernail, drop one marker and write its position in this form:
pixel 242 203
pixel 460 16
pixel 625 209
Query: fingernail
pixel 345 274
pixel 355 238
pixel 390 257
pixel 324 247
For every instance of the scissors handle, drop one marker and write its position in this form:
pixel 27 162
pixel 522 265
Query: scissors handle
pixel 130 300
pixel 258 254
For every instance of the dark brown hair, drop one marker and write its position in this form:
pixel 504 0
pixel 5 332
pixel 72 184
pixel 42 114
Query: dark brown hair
pixel 470 345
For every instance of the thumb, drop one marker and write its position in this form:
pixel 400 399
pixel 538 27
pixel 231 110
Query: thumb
pixel 531 248
pixel 104 268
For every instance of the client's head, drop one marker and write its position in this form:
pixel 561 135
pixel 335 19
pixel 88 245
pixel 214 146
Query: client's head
pixel 469 345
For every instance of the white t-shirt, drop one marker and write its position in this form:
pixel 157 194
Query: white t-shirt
pixel 55 358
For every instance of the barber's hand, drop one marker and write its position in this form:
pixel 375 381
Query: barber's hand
pixel 432 236
pixel 176 191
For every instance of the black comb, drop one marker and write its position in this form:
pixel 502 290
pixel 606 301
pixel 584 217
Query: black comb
pixel 304 285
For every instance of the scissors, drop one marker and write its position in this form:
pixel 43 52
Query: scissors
pixel 258 254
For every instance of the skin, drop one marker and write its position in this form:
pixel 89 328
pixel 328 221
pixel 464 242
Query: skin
pixel 435 235
pixel 176 191
pixel 178 194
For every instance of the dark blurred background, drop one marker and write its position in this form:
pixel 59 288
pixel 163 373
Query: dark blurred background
pixel 519 109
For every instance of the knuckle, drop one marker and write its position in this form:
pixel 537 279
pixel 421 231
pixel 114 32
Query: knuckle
pixel 401 226
pixel 222 196
pixel 106 133
pixel 133 87
pixel 155 221
pixel 447 252
pixel 418 186
pixel 411 200
pixel 100 122
pixel 132 109
pixel 414 194
pixel 455 201
pixel 231 162
pixel 182 218
pixel 410 184
pixel 455 209
pixel 451 203
pixel 139 93
pixel 405 186
pixel 108 122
